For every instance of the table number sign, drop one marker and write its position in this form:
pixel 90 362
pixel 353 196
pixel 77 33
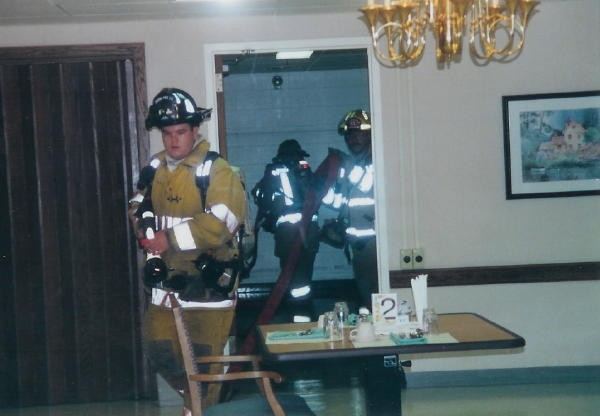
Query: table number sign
pixel 385 309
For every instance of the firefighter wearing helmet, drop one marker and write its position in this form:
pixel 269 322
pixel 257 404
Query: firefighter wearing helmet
pixel 188 226
pixel 280 197
pixel 352 195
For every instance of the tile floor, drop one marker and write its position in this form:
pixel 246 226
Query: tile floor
pixel 582 399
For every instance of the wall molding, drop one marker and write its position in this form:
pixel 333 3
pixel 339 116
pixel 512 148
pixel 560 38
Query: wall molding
pixel 530 273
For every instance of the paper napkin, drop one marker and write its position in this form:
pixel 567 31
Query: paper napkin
pixel 419 291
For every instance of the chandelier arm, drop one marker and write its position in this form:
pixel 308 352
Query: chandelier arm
pixel 510 51
pixel 510 48
pixel 399 47
pixel 398 28
pixel 487 27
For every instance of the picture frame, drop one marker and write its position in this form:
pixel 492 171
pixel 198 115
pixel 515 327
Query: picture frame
pixel 552 144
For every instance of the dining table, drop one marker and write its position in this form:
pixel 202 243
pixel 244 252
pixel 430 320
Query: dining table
pixel 380 361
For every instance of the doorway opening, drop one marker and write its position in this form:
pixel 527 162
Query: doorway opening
pixel 261 101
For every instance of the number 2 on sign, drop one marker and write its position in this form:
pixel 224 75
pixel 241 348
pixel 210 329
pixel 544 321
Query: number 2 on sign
pixel 385 308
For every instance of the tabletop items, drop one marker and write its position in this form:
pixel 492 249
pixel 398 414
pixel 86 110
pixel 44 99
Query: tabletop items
pixel 430 324
pixel 341 311
pixel 419 292
pixel 364 331
pixel 332 326
pixel 459 332
pixel 391 323
pixel 297 337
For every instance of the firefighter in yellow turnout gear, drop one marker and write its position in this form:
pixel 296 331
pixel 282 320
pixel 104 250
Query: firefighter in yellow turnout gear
pixel 194 234
pixel 191 228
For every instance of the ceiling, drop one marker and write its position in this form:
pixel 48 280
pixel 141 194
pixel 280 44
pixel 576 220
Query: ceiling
pixel 58 11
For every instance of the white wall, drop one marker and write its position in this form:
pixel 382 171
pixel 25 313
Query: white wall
pixel 443 161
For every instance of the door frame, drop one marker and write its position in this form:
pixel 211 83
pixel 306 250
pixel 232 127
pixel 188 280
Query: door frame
pixel 212 85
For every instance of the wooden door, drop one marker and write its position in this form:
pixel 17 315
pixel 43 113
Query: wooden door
pixel 71 142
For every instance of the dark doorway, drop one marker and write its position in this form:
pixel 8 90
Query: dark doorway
pixel 70 146
pixel 265 100
pixel 261 101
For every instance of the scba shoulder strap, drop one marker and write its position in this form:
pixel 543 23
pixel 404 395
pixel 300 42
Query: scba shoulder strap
pixel 203 174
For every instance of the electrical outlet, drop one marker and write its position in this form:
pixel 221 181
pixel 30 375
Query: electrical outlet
pixel 406 258
pixel 418 258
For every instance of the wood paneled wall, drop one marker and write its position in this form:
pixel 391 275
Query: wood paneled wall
pixel 70 146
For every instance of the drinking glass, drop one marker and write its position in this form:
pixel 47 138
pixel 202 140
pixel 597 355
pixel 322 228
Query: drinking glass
pixel 430 321
pixel 341 311
pixel 332 326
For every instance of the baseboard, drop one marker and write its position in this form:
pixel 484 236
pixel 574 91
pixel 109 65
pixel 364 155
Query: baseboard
pixel 532 375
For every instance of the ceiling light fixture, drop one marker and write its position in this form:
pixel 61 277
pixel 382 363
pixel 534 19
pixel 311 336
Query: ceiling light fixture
pixel 293 55
pixel 201 1
pixel 496 28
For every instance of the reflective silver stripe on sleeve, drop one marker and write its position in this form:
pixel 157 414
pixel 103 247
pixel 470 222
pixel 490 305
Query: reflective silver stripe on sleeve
pixel 164 221
pixel 183 235
pixel 294 218
pixel 291 218
pixel 287 188
pixel 361 202
pixel 138 197
pixel 367 181
pixel 367 232
pixel 226 216
pixel 355 174
pixel 328 198
pixel 160 298
pixel 338 200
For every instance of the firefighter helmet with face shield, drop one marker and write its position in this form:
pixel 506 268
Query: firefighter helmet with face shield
pixel 174 106
pixel 355 120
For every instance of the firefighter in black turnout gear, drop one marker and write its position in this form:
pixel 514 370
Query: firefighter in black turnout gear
pixel 352 196
pixel 280 196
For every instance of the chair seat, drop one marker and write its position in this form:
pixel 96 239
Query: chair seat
pixel 292 404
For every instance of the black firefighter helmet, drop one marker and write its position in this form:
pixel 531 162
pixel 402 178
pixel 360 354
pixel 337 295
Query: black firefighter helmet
pixel 174 106
pixel 355 120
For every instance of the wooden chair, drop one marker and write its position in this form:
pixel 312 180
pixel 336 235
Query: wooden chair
pixel 264 404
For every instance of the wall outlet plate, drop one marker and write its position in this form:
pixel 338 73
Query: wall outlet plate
pixel 418 258
pixel 406 258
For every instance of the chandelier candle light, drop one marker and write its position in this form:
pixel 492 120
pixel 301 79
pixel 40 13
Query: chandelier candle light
pixel 496 28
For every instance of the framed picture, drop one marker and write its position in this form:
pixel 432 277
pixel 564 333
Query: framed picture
pixel 552 144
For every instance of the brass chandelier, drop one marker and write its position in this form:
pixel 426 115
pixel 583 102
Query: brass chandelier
pixel 496 28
